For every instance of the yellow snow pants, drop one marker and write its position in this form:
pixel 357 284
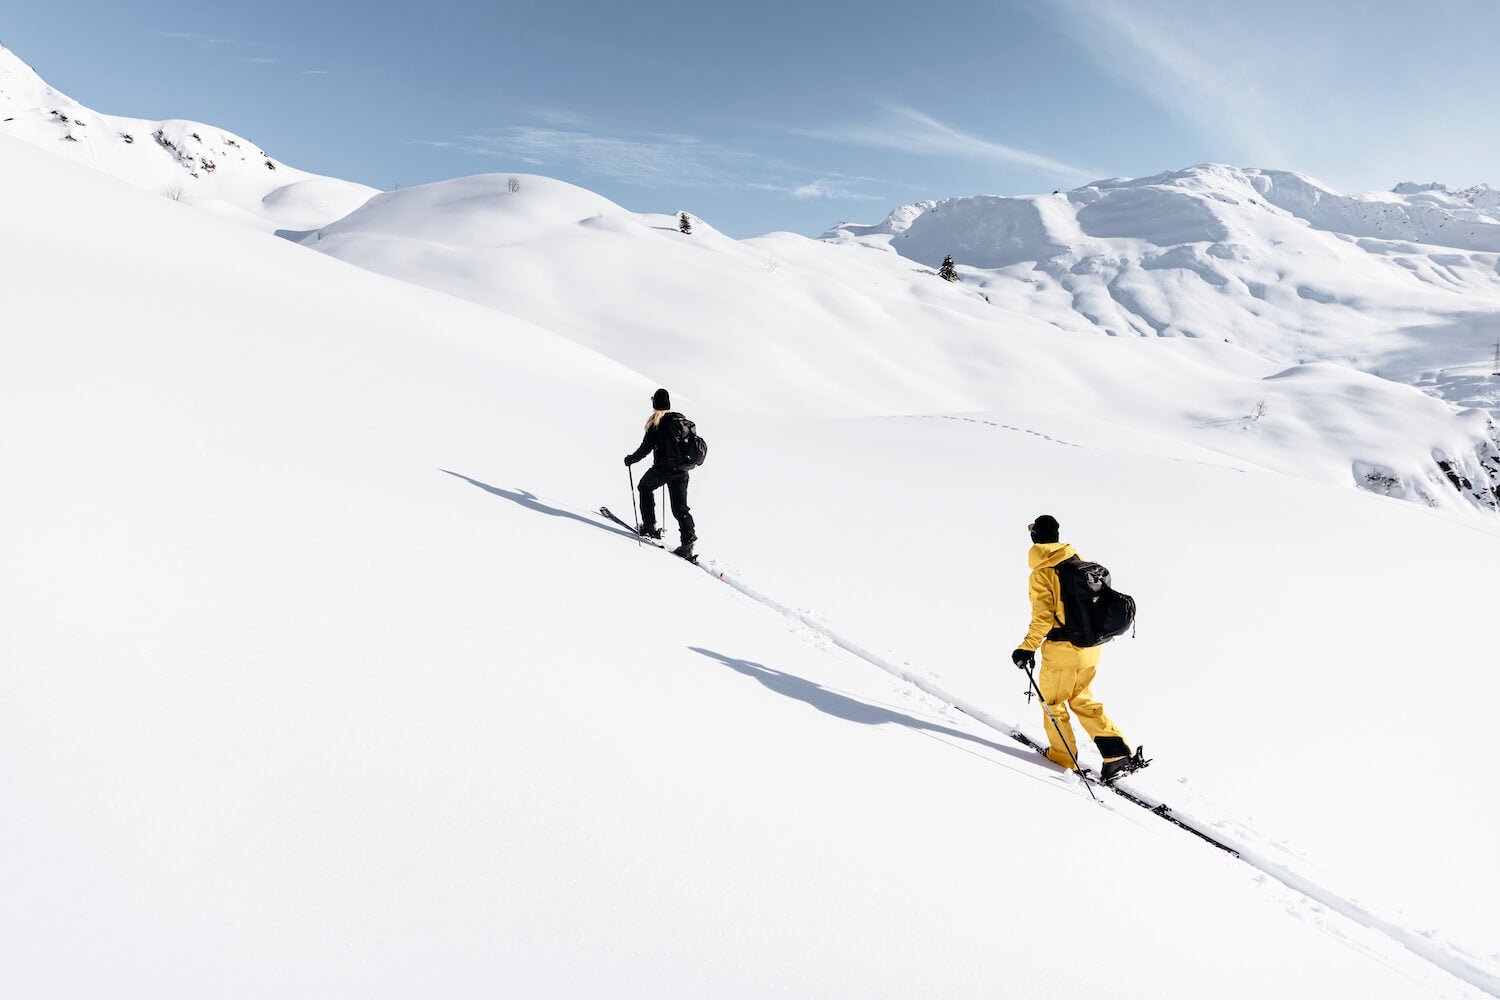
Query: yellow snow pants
pixel 1065 677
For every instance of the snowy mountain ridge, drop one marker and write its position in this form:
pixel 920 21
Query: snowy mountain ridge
pixel 1430 214
pixel 1481 196
pixel 182 160
pixel 888 338
pixel 1402 285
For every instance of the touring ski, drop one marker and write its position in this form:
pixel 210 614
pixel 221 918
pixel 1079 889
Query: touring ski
pixel 645 538
pixel 1158 808
pixel 648 540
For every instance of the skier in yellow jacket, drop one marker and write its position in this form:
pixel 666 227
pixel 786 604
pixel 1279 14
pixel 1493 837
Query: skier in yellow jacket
pixel 1067 673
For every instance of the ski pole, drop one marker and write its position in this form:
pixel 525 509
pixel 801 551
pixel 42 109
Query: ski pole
pixel 634 515
pixel 1076 766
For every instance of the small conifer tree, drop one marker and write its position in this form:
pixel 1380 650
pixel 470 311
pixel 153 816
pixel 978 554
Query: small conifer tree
pixel 947 272
pixel 684 223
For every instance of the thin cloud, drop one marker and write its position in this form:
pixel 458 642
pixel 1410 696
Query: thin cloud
pixel 202 41
pixel 558 118
pixel 1359 102
pixel 832 189
pixel 910 131
pixel 652 160
pixel 1197 63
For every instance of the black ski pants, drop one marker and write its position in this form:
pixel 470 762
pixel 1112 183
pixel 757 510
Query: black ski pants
pixel 676 483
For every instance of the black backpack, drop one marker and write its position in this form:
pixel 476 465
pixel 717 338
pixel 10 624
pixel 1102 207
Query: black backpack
pixel 1095 611
pixel 681 445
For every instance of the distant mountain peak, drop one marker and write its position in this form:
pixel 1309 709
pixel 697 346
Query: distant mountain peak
pixel 1481 196
pixel 185 161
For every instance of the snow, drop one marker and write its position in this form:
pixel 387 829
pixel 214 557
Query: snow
pixel 811 327
pixel 186 161
pixel 322 678
pixel 1270 260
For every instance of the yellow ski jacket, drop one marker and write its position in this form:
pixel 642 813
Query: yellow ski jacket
pixel 1045 590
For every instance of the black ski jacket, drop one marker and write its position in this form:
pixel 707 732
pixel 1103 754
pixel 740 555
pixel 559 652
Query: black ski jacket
pixel 654 443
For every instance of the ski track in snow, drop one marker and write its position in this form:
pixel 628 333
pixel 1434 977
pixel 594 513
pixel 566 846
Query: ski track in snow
pixel 997 424
pixel 1314 902
pixel 1257 856
pixel 1315 896
pixel 1069 444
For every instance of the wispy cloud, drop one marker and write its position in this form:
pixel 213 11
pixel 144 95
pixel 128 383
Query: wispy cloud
pixel 1207 66
pixel 218 41
pixel 908 130
pixel 833 188
pixel 566 144
pixel 202 41
pixel 1359 97
pixel 650 161
pixel 559 118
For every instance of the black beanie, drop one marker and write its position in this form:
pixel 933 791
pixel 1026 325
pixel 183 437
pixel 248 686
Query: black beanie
pixel 661 401
pixel 1044 529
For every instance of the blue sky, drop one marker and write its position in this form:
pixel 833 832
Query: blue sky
pixel 797 116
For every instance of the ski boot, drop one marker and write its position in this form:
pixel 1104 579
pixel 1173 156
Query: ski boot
pixel 1114 770
pixel 649 531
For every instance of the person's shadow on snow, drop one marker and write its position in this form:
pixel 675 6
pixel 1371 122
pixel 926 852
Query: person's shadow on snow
pixel 842 706
pixel 530 502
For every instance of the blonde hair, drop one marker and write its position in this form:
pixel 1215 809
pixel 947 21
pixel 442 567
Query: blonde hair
pixel 655 418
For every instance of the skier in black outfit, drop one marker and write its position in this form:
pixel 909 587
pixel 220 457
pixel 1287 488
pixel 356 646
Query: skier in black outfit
pixel 661 473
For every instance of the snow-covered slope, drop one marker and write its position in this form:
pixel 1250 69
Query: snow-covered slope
pixel 831 328
pixel 321 679
pixel 181 160
pixel 1405 285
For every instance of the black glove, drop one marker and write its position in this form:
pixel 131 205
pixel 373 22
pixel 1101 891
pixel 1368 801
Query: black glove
pixel 628 461
pixel 1023 658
